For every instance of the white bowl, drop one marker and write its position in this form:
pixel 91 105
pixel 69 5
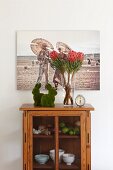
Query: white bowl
pixel 41 158
pixel 68 158
pixel 52 154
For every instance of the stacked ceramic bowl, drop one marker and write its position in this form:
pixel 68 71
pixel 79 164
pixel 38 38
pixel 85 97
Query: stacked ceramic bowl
pixel 52 154
pixel 68 158
pixel 41 158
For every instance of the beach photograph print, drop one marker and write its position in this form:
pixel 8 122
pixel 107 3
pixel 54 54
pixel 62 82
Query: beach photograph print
pixel 33 60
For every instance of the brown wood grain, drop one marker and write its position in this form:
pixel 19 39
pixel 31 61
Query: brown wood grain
pixel 56 143
pixel 56 113
pixel 27 106
pixel 88 144
pixel 30 142
pixel 83 142
pixel 25 144
pixel 78 145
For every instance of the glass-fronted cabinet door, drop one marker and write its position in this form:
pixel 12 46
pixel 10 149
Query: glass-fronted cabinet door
pixel 70 142
pixel 42 143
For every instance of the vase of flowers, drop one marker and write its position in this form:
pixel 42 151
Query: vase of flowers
pixel 68 64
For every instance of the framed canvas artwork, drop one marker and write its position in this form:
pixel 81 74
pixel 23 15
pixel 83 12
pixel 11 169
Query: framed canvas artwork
pixel 33 62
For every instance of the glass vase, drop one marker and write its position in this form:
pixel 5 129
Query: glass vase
pixel 68 87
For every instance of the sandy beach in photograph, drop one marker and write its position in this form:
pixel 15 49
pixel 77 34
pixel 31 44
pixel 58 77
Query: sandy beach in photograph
pixel 87 78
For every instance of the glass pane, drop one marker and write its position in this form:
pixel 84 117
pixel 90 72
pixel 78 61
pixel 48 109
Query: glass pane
pixel 70 142
pixel 43 142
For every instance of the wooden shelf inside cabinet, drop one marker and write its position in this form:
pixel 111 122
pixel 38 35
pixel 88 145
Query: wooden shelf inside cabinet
pixel 43 136
pixel 69 137
pixel 49 165
pixel 69 167
pixel 60 136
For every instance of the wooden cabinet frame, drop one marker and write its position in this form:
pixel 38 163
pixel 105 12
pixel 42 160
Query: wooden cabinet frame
pixel 29 111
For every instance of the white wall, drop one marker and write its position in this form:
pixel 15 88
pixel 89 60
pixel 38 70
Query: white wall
pixel 54 15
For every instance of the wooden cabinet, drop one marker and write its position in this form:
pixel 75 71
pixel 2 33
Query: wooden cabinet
pixel 79 145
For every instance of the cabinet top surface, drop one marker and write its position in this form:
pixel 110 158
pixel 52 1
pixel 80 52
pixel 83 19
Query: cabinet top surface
pixel 28 107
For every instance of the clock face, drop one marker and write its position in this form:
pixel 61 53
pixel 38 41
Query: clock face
pixel 80 100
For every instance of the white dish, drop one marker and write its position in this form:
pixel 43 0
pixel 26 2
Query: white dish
pixel 68 158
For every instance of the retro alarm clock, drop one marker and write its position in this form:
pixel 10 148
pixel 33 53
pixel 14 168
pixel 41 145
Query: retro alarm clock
pixel 80 100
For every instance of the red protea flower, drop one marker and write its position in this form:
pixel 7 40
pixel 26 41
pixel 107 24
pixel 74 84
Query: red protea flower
pixel 72 56
pixel 80 56
pixel 53 55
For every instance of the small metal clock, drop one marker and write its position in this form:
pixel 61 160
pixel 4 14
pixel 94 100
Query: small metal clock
pixel 80 100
